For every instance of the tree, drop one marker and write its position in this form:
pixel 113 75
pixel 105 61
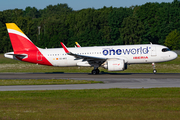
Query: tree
pixel 31 12
pixel 173 40
pixel 55 11
pixel 115 19
pixel 132 30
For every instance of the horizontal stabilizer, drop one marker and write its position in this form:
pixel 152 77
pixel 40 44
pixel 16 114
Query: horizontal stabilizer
pixel 11 55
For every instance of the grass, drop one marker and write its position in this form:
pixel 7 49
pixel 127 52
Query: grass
pixel 124 104
pixel 45 82
pixel 8 65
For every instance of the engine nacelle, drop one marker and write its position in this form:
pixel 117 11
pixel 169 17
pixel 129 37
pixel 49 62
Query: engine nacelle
pixel 116 65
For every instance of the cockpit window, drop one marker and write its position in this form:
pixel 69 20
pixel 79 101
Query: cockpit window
pixel 165 49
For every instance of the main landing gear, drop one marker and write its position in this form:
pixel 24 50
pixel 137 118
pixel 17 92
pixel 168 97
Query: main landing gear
pixel 154 70
pixel 95 71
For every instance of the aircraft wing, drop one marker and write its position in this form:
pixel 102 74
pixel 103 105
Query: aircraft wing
pixel 84 57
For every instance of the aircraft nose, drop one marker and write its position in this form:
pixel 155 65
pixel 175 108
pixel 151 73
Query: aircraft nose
pixel 174 55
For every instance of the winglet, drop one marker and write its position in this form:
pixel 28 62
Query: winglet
pixel 65 48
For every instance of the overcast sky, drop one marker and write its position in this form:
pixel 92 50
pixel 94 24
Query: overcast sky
pixel 74 4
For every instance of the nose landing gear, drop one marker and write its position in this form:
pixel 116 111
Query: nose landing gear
pixel 154 70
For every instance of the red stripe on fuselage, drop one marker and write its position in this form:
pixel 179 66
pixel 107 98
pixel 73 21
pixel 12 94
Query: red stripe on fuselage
pixel 36 57
pixel 22 45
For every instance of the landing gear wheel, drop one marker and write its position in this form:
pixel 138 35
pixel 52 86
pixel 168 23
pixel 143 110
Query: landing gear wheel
pixel 154 71
pixel 95 71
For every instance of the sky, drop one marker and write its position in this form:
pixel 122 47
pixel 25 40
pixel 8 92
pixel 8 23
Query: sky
pixel 74 4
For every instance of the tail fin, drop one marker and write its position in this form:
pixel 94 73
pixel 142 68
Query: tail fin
pixel 19 41
pixel 77 44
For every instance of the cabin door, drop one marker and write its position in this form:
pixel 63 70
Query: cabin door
pixel 39 56
pixel 153 51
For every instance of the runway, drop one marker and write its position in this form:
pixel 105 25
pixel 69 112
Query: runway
pixel 111 80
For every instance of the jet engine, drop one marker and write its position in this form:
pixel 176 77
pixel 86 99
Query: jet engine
pixel 115 65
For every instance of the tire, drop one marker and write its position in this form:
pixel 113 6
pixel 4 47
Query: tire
pixel 97 71
pixel 94 72
pixel 154 71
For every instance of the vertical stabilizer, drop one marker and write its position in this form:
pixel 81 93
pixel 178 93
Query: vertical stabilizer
pixel 77 44
pixel 19 41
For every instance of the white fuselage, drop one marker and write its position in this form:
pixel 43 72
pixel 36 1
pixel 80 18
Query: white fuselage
pixel 132 54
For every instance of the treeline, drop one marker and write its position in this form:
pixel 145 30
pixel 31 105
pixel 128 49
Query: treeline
pixel 158 23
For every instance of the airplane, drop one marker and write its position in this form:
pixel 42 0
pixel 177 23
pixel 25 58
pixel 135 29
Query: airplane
pixel 113 58
pixel 77 44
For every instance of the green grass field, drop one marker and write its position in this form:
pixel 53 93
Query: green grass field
pixel 8 65
pixel 45 82
pixel 117 104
